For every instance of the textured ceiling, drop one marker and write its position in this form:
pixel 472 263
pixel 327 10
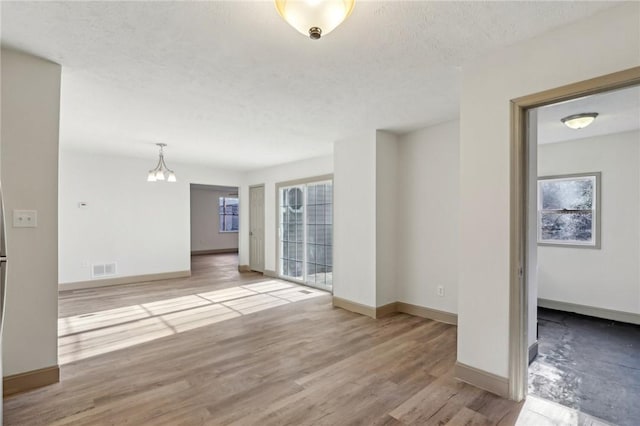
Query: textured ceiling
pixel 230 84
pixel 618 111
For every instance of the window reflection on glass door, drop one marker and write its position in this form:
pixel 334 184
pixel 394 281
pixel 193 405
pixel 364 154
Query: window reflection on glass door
pixel 306 233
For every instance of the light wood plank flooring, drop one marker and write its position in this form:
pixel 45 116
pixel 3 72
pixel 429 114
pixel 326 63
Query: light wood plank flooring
pixel 207 273
pixel 296 363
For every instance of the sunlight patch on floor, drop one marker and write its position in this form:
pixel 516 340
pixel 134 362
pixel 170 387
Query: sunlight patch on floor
pixel 540 412
pixel 92 334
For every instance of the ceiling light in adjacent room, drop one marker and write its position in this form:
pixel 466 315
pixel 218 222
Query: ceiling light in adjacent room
pixel 314 18
pixel 579 121
pixel 161 171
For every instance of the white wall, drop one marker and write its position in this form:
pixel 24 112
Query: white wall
pixel 269 177
pixel 143 226
pixel 205 222
pixel 609 277
pixel 388 219
pixel 354 219
pixel 601 44
pixel 30 117
pixel 428 216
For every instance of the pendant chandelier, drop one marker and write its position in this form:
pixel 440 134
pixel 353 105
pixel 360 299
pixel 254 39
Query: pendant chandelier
pixel 314 18
pixel 161 171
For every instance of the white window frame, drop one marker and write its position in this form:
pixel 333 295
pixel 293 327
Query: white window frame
pixel 595 243
pixel 221 215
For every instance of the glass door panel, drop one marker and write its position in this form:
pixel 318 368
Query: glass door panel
pixel 306 233
pixel 319 204
pixel 292 232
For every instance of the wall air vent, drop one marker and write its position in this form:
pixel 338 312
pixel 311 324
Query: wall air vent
pixel 102 270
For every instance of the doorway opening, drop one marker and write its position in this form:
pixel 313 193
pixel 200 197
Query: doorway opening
pixel 305 232
pixel 584 268
pixel 575 294
pixel 214 220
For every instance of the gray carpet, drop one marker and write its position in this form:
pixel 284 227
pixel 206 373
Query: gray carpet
pixel 590 364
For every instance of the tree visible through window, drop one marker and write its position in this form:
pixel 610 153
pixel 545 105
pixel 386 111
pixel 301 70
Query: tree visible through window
pixel 228 212
pixel 568 210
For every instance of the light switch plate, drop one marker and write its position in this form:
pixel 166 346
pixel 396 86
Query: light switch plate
pixel 25 218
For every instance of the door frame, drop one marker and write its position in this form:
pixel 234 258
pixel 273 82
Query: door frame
pixel 284 184
pixel 518 294
pixel 264 202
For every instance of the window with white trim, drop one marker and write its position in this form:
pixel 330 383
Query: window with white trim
pixel 228 214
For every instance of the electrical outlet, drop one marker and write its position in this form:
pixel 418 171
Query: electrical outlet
pixel 25 219
pixel 440 291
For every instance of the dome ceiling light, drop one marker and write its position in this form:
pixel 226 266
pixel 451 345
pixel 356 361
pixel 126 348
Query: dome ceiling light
pixel 314 18
pixel 579 121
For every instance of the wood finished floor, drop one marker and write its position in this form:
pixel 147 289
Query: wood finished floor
pixel 207 273
pixel 294 364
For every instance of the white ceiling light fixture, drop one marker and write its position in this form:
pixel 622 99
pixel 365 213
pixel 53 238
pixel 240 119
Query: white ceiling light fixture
pixel 579 121
pixel 314 18
pixel 161 171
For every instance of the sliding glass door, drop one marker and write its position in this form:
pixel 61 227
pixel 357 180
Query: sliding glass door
pixel 292 232
pixel 319 227
pixel 306 233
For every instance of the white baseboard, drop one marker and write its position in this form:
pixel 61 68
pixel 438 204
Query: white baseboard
pixel 133 279
pixel 358 308
pixel 29 380
pixel 590 311
pixel 429 313
pixel 482 379
pixel 391 308
pixel 388 309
